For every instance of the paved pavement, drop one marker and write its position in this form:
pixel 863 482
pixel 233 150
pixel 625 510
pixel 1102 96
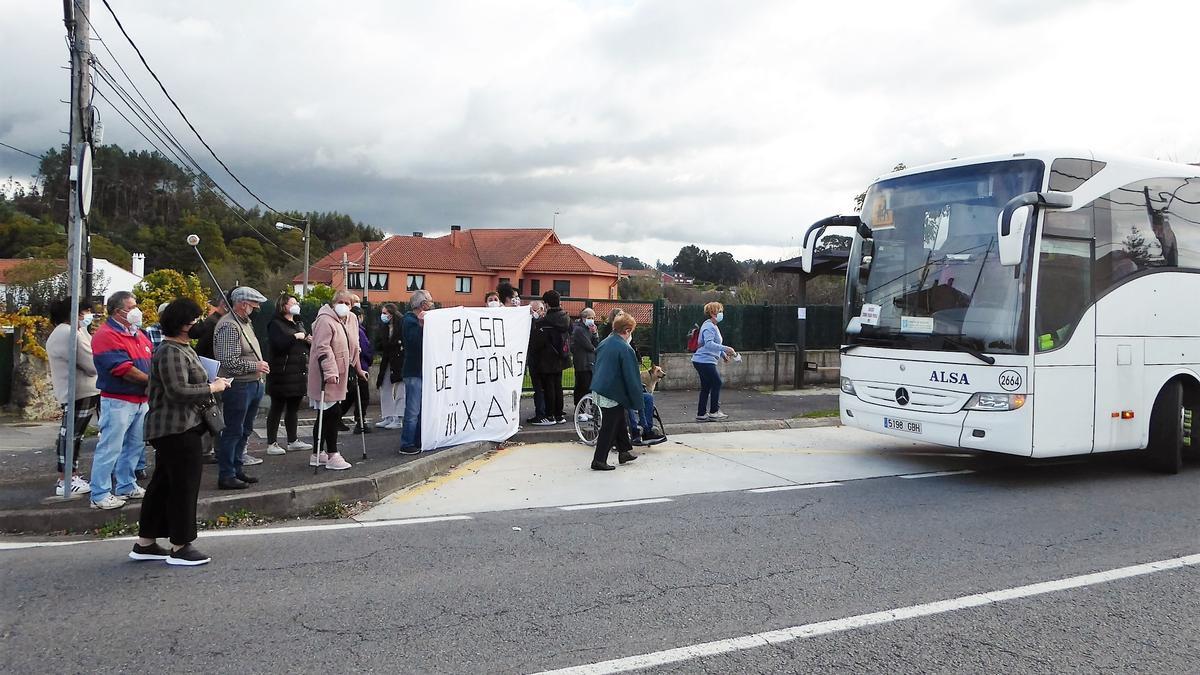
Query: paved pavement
pixel 532 589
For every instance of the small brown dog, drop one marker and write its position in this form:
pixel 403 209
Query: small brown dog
pixel 651 377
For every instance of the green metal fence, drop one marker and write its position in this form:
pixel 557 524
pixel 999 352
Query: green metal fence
pixel 754 327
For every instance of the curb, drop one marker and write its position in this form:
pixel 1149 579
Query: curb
pixel 281 503
pixel 557 435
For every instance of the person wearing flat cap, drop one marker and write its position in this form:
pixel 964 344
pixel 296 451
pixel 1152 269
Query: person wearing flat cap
pixel 241 357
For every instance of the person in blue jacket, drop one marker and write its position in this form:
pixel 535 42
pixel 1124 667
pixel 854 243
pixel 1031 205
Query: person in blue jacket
pixel 705 361
pixel 413 334
pixel 616 384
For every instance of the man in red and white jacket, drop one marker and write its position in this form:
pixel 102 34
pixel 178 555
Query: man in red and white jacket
pixel 122 357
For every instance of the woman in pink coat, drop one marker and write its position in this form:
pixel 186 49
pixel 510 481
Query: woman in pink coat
pixel 334 351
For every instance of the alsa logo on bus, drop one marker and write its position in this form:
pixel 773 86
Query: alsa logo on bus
pixel 944 377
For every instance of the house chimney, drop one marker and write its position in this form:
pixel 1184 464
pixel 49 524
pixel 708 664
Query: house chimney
pixel 456 236
pixel 139 265
pixel 418 234
pixel 455 228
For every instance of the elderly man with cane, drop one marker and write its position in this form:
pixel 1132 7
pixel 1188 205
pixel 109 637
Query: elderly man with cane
pixel 237 349
pixel 334 353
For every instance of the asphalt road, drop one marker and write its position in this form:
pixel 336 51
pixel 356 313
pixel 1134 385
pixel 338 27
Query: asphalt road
pixel 577 587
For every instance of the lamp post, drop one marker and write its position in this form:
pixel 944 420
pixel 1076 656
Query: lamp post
pixel 554 225
pixel 284 226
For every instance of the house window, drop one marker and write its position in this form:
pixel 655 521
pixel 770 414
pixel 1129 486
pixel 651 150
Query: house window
pixel 520 287
pixel 462 284
pixel 563 287
pixel 416 282
pixel 379 281
pixel 535 287
pixel 354 280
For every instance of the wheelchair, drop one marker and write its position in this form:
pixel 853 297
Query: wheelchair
pixel 588 418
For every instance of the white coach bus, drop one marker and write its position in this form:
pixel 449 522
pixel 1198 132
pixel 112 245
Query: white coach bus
pixel 1039 304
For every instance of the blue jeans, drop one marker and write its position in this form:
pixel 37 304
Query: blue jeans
pixel 120 446
pixel 645 415
pixel 410 435
pixel 710 388
pixel 240 402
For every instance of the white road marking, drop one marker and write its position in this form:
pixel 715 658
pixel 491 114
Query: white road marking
pixel 247 532
pixel 781 488
pixel 763 639
pixel 609 505
pixel 937 474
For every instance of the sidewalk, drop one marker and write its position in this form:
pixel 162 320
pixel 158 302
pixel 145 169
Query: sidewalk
pixel 287 485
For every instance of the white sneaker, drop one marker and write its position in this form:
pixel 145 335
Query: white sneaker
pixel 250 460
pixel 382 423
pixel 396 423
pixel 108 503
pixel 78 487
pixel 318 460
pixel 276 449
pixel 138 493
pixel 299 445
pixel 337 463
pixel 717 415
pixel 584 418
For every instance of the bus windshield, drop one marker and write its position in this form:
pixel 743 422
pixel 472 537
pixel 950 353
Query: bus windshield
pixel 931 278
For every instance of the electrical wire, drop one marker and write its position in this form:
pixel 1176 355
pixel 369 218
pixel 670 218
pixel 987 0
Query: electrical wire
pixel 23 152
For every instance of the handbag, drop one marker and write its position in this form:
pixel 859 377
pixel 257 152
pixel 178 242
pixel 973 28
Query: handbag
pixel 214 418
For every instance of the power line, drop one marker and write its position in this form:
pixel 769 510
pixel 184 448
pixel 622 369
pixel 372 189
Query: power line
pixel 23 152
pixel 185 117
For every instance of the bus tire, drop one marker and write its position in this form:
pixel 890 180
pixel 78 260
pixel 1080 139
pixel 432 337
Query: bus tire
pixel 1165 450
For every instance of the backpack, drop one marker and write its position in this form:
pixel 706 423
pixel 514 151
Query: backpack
pixel 693 342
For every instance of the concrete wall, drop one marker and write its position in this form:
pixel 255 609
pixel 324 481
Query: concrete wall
pixel 755 370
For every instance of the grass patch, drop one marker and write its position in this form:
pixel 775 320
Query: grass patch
pixel 117 527
pixel 332 508
pixel 817 414
pixel 238 518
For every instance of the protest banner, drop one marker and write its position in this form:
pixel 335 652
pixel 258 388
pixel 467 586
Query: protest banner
pixel 473 365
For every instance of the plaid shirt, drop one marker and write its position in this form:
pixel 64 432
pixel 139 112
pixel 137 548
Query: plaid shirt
pixel 178 386
pixel 155 334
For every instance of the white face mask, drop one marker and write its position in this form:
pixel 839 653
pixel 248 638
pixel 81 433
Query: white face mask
pixel 86 320
pixel 589 322
pixel 134 317
pixel 358 305
pixel 516 301
pixel 628 338
pixel 385 318
pixel 493 303
pixel 341 309
pixel 294 310
pixel 720 317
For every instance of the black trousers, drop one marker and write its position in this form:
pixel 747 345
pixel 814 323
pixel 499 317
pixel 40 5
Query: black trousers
pixel 288 407
pixel 583 384
pixel 552 390
pixel 329 429
pixel 84 409
pixel 169 507
pixel 614 430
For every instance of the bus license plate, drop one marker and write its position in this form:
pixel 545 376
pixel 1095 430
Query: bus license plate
pixel 901 425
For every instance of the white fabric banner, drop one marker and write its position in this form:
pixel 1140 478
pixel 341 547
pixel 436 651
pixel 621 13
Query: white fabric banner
pixel 472 368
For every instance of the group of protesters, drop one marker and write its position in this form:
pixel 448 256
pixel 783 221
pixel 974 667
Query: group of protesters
pixel 197 405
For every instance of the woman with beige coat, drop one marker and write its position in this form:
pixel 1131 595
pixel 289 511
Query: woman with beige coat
pixel 334 351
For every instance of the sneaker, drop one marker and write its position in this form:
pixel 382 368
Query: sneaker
pixel 78 487
pixel 701 418
pixel 151 552
pixel 209 458
pixel 396 423
pixel 188 555
pixel 275 449
pixel 299 445
pixel 250 460
pixel 318 460
pixel 382 424
pixel 138 493
pixel 652 437
pixel 532 420
pixel 560 420
pixel 717 415
pixel 584 418
pixel 410 450
pixel 336 462
pixel 543 422
pixel 108 503
pixel 636 440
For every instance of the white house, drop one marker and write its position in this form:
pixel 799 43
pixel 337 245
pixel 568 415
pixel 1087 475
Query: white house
pixel 107 278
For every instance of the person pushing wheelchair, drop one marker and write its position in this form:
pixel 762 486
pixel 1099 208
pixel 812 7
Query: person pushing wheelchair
pixel 616 384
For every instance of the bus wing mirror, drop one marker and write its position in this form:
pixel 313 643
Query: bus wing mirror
pixel 1015 214
pixel 809 244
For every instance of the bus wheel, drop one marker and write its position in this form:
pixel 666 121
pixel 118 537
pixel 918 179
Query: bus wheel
pixel 1165 451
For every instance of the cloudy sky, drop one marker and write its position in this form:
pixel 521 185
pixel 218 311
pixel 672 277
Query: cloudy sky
pixel 647 125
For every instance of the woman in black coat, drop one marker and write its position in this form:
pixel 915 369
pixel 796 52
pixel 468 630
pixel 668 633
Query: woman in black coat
pixel 390 347
pixel 288 380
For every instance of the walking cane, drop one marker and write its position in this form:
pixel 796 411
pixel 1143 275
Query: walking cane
pixel 361 424
pixel 320 416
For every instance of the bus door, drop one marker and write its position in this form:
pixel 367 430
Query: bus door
pixel 1064 377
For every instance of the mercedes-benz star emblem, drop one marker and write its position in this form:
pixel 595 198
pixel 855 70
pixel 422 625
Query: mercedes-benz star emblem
pixel 902 396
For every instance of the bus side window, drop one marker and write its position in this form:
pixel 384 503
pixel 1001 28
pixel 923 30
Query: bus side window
pixel 1064 289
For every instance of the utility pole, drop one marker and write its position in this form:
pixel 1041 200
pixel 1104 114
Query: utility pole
pixel 307 238
pixel 345 272
pixel 78 37
pixel 366 271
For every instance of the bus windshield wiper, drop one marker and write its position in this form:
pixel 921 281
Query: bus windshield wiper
pixel 861 341
pixel 964 347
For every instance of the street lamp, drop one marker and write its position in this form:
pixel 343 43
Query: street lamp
pixel 284 226
pixel 554 225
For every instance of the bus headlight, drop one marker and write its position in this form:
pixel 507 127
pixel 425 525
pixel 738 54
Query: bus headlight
pixel 995 402
pixel 847 386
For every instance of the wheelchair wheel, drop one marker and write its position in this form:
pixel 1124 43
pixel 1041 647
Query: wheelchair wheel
pixel 587 420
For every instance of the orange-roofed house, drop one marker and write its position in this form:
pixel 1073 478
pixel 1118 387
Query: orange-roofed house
pixel 460 267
